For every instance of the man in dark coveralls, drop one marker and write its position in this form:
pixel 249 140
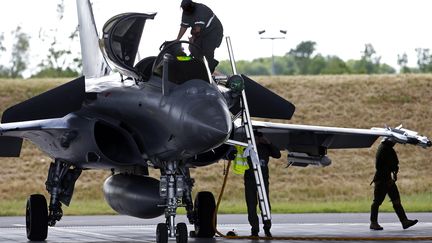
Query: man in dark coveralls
pixel 387 165
pixel 265 150
pixel 206 29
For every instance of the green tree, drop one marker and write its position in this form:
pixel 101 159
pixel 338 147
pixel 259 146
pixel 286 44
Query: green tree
pixel 285 65
pixel 317 64
pixel 370 61
pixel 402 61
pixel 424 60
pixel 385 68
pixel 335 65
pixel 2 48
pixel 368 64
pixel 3 70
pixel 59 61
pixel 302 61
pixel 302 55
pixel 224 67
pixel 20 49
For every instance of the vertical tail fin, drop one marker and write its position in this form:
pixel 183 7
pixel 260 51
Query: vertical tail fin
pixel 94 64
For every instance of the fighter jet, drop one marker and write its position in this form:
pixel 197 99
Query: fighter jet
pixel 165 112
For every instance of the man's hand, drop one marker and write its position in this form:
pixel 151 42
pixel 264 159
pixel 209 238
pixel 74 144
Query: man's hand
pixel 191 39
pixel 196 31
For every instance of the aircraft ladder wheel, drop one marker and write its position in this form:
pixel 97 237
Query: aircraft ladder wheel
pixel 181 233
pixel 162 233
pixel 37 218
pixel 205 207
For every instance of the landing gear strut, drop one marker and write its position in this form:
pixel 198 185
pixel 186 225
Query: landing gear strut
pixel 175 186
pixel 60 184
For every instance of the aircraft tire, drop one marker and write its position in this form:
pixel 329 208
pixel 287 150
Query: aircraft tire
pixel 162 233
pixel 37 218
pixel 205 206
pixel 181 233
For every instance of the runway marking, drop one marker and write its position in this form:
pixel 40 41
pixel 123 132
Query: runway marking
pixel 104 237
pixel 293 231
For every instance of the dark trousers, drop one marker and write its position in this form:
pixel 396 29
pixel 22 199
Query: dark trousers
pixel 251 196
pixel 382 188
pixel 208 44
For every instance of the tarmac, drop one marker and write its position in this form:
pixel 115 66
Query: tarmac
pixel 286 228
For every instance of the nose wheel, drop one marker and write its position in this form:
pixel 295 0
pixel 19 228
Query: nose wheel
pixel 181 233
pixel 162 233
pixel 173 188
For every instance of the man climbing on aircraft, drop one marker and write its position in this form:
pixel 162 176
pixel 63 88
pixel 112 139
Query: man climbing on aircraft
pixel 386 166
pixel 206 29
pixel 265 150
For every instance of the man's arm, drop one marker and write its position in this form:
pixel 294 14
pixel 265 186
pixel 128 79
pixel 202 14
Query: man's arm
pixel 196 31
pixel 274 151
pixel 182 31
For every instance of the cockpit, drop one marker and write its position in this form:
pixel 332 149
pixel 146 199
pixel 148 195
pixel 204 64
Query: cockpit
pixel 120 42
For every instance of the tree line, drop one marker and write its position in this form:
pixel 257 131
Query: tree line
pixel 302 60
pixel 58 62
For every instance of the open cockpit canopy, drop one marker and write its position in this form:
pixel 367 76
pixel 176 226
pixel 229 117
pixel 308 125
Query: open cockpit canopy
pixel 121 39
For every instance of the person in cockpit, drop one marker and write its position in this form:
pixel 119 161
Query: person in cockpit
pixel 206 29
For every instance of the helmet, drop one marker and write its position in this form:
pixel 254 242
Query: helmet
pixel 185 2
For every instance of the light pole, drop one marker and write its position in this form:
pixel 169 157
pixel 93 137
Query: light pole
pixel 272 38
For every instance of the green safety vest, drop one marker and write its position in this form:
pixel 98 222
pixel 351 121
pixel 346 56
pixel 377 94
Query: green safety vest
pixel 240 164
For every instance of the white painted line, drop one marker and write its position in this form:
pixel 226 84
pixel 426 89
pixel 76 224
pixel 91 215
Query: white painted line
pixel 96 234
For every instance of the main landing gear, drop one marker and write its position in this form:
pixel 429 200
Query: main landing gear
pixel 205 207
pixel 36 218
pixel 176 188
pixel 60 185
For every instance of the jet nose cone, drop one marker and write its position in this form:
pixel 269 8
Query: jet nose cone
pixel 209 122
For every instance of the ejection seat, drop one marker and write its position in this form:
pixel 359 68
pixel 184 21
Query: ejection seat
pixel 181 67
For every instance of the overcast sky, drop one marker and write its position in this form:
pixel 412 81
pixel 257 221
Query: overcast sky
pixel 340 27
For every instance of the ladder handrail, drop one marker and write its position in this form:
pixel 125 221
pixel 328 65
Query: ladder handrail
pixel 247 122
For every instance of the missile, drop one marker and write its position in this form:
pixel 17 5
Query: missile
pixel 303 160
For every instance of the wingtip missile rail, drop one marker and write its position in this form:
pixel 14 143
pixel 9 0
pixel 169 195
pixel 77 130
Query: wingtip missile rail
pixel 405 136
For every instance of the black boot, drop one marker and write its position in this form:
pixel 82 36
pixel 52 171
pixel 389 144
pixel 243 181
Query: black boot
pixel 406 223
pixel 374 212
pixel 375 226
pixel 267 226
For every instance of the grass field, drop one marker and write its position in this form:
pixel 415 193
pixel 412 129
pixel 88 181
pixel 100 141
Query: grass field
pixel 360 101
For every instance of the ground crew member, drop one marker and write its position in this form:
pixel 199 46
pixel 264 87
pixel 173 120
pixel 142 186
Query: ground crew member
pixel 206 29
pixel 387 164
pixel 240 162
pixel 265 150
